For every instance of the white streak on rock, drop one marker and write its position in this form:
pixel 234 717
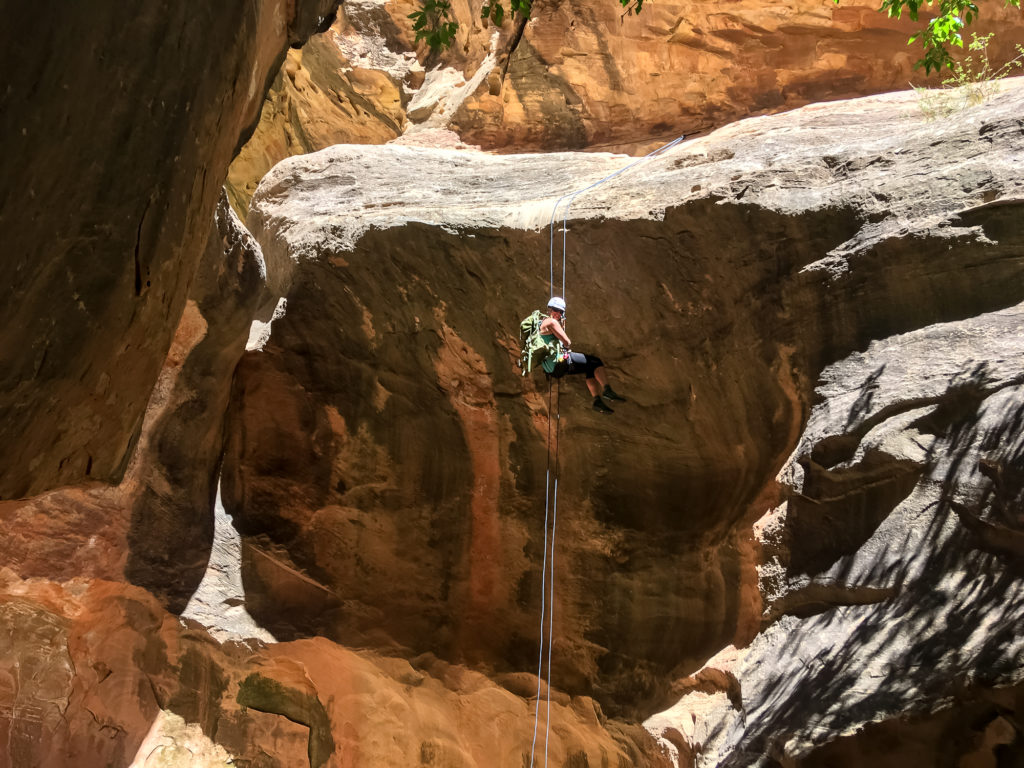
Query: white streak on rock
pixel 219 602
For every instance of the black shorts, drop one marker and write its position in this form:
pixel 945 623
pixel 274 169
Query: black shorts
pixel 578 362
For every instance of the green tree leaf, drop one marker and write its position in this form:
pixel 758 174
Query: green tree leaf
pixel 943 31
pixel 434 25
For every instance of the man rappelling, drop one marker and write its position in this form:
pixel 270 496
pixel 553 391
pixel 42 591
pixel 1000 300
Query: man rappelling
pixel 546 342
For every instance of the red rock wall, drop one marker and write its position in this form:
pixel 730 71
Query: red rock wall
pixel 118 130
pixel 155 527
pixel 94 673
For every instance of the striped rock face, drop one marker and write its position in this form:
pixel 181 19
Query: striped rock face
pixel 386 461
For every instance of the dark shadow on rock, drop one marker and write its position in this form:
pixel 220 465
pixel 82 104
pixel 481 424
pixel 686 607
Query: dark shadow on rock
pixel 171 530
pixel 950 626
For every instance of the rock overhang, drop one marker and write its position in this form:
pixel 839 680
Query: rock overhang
pixel 874 156
pixel 745 261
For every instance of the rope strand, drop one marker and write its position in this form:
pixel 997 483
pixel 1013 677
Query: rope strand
pixel 543 586
pixel 547 586
pixel 573 195
pixel 551 582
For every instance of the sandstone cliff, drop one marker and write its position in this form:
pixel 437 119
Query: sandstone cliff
pixel 580 76
pixel 727 281
pixel 118 128
pixel 798 543
pixel 97 674
pixel 892 583
pixel 154 527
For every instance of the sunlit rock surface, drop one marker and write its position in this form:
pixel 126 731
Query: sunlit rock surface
pixel 345 86
pixel 97 674
pixel 892 583
pixel 219 601
pixel 585 76
pixel 581 75
pixel 118 126
pixel 385 459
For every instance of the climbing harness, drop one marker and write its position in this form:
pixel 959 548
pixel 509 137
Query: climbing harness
pixel 530 329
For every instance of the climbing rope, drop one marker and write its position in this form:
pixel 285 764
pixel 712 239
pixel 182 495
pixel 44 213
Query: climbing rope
pixel 547 608
pixel 551 601
pixel 572 197
pixel 543 593
pixel 547 601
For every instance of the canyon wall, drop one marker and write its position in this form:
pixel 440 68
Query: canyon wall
pixel 726 283
pixel 118 129
pixel 155 527
pixel 892 581
pixel 581 75
pixel 94 673
pixel 796 543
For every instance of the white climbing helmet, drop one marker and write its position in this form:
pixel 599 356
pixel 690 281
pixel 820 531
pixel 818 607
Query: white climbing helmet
pixel 557 302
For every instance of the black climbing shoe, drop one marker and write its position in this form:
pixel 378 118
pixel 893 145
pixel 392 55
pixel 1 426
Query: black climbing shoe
pixel 611 394
pixel 600 407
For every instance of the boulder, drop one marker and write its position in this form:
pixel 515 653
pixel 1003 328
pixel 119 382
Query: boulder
pixel 94 673
pixel 386 460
